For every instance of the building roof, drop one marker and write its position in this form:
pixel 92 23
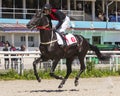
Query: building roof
pixel 14 27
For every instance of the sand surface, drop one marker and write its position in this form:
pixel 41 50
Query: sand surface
pixel 109 86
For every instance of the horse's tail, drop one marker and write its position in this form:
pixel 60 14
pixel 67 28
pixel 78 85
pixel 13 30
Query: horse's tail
pixel 98 53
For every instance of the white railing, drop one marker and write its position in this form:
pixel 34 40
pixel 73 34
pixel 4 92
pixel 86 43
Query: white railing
pixel 75 13
pixel 17 12
pixel 26 58
pixel 18 60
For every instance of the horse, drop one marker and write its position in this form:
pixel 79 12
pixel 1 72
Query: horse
pixel 51 50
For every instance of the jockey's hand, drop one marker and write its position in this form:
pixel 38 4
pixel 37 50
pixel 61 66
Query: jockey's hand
pixel 54 29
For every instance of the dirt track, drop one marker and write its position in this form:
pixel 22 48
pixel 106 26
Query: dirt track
pixel 109 86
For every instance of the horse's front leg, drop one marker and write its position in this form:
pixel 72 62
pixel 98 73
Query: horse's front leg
pixel 54 64
pixel 42 58
pixel 35 69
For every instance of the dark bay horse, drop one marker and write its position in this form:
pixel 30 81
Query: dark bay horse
pixel 50 49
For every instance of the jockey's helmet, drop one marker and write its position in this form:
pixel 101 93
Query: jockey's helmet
pixel 47 7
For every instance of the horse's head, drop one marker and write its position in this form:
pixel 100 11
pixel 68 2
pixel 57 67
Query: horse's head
pixel 39 19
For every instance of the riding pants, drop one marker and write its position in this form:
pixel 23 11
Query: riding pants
pixel 65 25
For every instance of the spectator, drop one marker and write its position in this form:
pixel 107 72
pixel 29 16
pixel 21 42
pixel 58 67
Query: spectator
pixel 5 47
pixel 102 16
pixel 6 59
pixel 2 43
pixel 8 43
pixel 13 60
pixel 79 6
pixel 23 47
pixel 12 48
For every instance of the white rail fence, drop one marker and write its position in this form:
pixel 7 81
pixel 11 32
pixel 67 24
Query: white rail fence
pixel 6 12
pixel 20 60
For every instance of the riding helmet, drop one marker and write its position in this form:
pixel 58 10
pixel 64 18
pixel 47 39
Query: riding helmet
pixel 47 6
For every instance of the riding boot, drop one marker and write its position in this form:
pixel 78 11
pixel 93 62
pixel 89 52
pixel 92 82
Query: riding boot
pixel 64 41
pixel 63 38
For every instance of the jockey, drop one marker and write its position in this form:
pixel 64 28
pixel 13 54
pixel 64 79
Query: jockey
pixel 63 20
pixel 54 14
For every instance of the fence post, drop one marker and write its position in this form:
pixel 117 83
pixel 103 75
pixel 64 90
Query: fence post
pixel 116 60
pixel 111 62
pixel 20 66
pixel 18 70
pixel 61 62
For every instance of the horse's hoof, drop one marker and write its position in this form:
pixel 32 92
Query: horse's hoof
pixel 39 80
pixel 60 86
pixel 76 83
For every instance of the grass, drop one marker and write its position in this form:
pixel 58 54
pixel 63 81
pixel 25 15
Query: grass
pixel 90 71
pixel 29 74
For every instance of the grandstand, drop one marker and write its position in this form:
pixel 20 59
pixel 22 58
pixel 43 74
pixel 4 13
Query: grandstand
pixel 14 14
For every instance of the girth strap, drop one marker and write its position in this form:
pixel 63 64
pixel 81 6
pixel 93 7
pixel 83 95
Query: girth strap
pixel 45 43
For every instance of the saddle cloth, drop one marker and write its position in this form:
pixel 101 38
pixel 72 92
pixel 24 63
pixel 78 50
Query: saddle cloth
pixel 70 39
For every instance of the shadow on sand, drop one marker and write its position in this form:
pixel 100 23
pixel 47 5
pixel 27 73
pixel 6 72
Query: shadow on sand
pixel 48 91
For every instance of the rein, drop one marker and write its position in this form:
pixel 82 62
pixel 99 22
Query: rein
pixel 45 28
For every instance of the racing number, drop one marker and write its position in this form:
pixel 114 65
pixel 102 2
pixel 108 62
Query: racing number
pixel 73 39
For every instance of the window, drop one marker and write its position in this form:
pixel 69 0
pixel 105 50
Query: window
pixel 18 10
pixel 2 38
pixel 7 3
pixel 96 40
pixel 7 12
pixel 56 4
pixel 22 38
pixel 110 43
pixel 30 38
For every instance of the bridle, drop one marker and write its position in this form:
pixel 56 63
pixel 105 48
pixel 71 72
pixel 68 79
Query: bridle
pixel 45 27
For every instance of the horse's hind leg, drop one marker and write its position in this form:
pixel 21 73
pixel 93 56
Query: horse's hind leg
pixel 69 70
pixel 81 70
pixel 35 69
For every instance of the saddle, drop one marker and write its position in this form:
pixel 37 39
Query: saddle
pixel 67 39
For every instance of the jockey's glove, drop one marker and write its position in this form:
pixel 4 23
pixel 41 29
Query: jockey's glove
pixel 54 29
